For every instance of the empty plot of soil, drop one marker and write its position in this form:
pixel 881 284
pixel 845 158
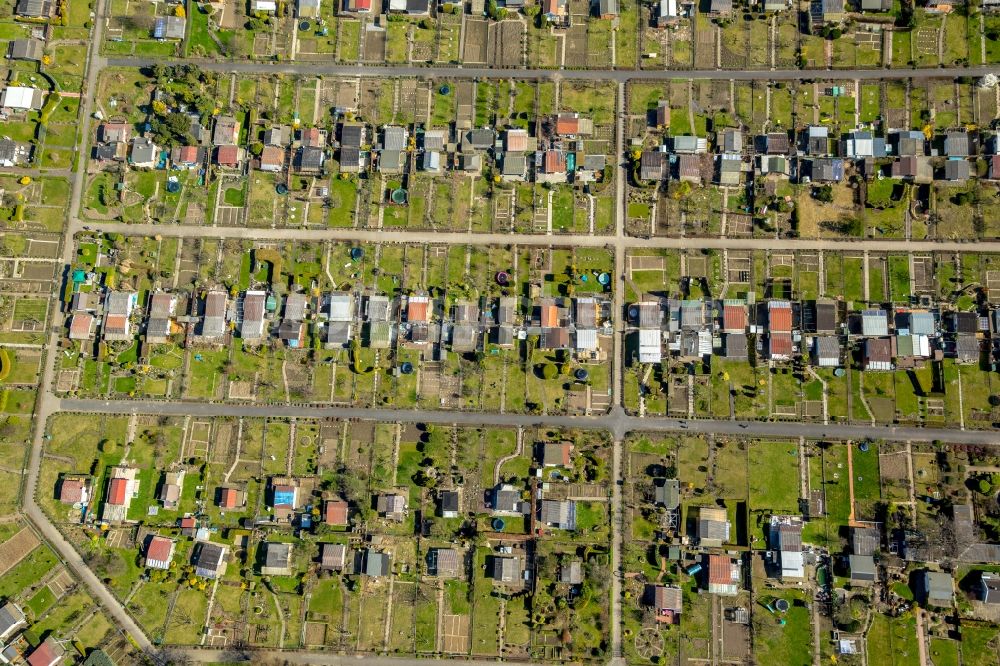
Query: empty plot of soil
pixel 16 548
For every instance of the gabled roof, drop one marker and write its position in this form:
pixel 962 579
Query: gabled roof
pixel 777 143
pixel 449 501
pixel 394 137
pixel 827 169
pixel 48 653
pixel 159 549
pixel 652 165
pixel 668 598
pixel 779 345
pixel 862 567
pixel 667 492
pixel 779 316
pixel 284 495
pixel 418 309
pixel 335 512
pixel 25 49
pixel 446 561
pixel 514 164
pixel 228 498
pixel 556 453
pixel 311 157
pixel 827 349
pixel 272 156
pixel 71 491
pixel 554 162
pixel 878 353
pixel 516 140
pixel 333 555
pixel 277 555
pixel 572 123
pixel 957 144
pixel 209 558
pixel 874 323
pixel 864 540
pixel 721 570
pixel 375 563
pixel 957 169
pixel 571 573
pixel 227 155
pixel 11 618
pixel 117 489
pixel 352 135
pixel 938 586
pixel 558 513
pixel 713 524
pixel 506 569
pixel 34 9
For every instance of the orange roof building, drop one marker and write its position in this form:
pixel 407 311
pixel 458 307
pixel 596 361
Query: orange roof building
pixel 335 513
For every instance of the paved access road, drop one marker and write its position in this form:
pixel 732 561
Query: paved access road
pixel 619 75
pixel 314 658
pixel 579 240
pixel 617 423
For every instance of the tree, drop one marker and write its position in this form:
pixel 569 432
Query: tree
pixel 549 371
pixel 171 128
pixel 824 193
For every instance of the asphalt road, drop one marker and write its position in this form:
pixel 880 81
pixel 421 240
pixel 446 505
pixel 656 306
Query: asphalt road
pixel 617 423
pixel 620 75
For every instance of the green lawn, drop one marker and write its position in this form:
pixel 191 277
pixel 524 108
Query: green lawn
pixel 41 602
pixel 944 652
pixel 893 641
pixel 789 644
pixel 199 35
pixel 976 645
pixel 29 570
pixel 774 476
